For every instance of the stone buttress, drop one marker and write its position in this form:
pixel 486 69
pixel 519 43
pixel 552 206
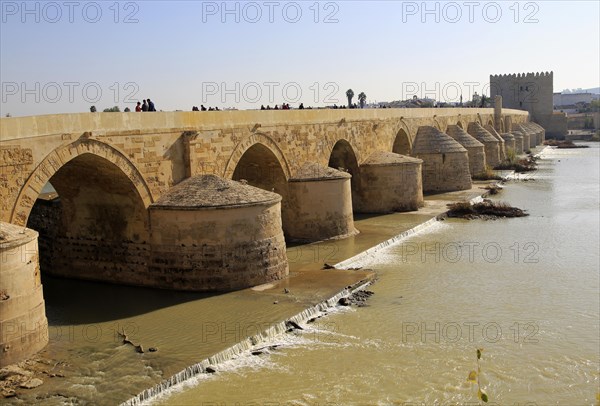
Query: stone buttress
pixel 445 161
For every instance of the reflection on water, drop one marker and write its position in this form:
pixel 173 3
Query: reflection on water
pixel 73 302
pixel 526 290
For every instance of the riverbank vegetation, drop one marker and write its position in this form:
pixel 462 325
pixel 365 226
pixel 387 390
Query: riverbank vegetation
pixel 560 144
pixel 514 163
pixel 487 174
pixel 484 210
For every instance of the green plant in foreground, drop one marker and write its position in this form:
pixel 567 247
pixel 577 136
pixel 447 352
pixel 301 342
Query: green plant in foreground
pixel 474 378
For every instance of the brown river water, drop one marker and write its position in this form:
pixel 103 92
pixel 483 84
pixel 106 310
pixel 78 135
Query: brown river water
pixel 526 290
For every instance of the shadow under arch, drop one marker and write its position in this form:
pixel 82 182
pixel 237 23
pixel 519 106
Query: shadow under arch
pixel 61 156
pixel 98 227
pixel 343 158
pixel 94 242
pixel 96 230
pixel 249 142
pixel 402 144
pixel 262 168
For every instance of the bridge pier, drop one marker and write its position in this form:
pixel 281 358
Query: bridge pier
pixel 501 145
pixel 445 161
pixel 541 132
pixel 538 131
pixel 474 148
pixel 520 130
pixel 509 141
pixel 213 234
pixel 526 129
pixel 519 141
pixel 23 323
pixel 491 144
pixel 390 183
pixel 319 205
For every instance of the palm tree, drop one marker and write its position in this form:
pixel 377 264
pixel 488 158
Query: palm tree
pixel 349 95
pixel 362 97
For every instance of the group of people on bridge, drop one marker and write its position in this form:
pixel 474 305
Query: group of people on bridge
pixel 202 108
pixel 284 106
pixel 147 105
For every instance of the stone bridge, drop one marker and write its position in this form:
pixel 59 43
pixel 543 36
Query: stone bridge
pixel 152 199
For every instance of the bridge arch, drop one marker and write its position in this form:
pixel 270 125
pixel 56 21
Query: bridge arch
pixel 60 157
pixel 402 144
pixel 478 120
pixel 98 228
pixel 260 167
pixel 259 161
pixel 265 143
pixel 460 124
pixel 343 157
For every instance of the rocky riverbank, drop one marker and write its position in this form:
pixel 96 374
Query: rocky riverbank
pixel 17 379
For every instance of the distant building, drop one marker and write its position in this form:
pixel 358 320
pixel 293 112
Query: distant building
pixel 571 99
pixel 534 93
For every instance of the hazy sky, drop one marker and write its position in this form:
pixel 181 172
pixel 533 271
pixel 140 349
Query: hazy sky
pixel 65 56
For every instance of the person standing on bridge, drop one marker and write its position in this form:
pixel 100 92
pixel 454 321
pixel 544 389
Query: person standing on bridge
pixel 144 106
pixel 138 107
pixel 151 105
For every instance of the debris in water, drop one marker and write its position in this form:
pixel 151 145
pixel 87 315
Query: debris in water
pixel 493 188
pixel 291 325
pixel 358 298
pixel 344 301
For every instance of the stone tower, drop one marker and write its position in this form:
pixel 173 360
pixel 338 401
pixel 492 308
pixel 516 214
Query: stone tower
pixel 532 92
